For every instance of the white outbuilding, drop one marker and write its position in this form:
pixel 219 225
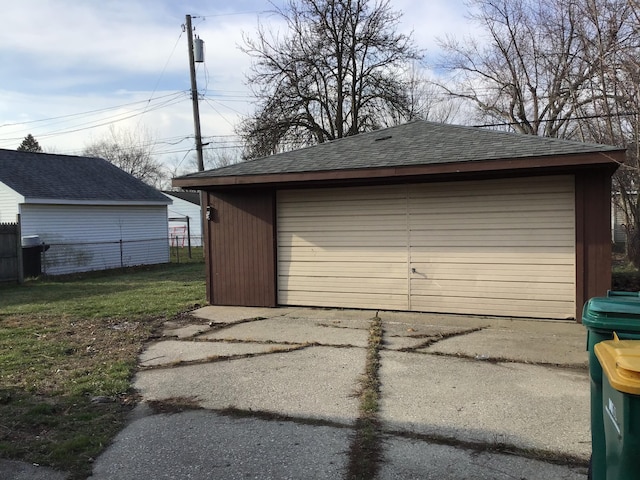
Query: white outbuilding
pixel 185 224
pixel 90 214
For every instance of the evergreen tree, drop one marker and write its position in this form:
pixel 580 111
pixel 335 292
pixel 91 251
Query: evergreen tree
pixel 29 144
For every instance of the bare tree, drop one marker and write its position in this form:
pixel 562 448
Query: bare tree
pixel 559 68
pixel 130 151
pixel 535 69
pixel 338 71
pixel 426 100
pixel 611 116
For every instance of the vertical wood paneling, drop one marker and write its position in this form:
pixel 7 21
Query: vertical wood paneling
pixel 242 258
pixel 593 235
pixel 10 252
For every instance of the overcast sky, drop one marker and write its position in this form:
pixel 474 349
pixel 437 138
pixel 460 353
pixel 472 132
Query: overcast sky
pixel 69 69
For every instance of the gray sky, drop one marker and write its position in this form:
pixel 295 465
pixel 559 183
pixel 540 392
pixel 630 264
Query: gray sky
pixel 70 69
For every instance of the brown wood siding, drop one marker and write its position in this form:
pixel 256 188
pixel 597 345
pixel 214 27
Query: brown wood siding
pixel 593 235
pixel 241 248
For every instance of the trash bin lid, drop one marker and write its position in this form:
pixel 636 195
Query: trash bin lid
pixel 620 360
pixel 31 241
pixel 617 311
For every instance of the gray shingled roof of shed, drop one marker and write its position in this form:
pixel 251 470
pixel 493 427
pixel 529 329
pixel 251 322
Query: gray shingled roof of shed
pixel 191 197
pixel 411 144
pixel 70 178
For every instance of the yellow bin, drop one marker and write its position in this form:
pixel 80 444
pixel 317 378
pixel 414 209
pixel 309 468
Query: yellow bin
pixel 620 361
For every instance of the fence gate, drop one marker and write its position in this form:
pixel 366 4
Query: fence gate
pixel 10 253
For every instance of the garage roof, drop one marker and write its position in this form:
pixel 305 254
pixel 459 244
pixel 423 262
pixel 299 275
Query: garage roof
pixel 414 144
pixel 49 178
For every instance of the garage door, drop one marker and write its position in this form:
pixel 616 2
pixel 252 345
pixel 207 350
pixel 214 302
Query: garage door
pixel 497 247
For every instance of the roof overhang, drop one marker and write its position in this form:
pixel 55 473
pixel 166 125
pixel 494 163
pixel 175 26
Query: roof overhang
pixel 119 203
pixel 544 165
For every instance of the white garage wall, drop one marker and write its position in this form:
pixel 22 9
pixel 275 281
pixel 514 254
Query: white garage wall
pixel 85 238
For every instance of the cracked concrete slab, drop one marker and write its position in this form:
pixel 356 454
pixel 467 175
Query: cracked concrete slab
pixel 173 351
pixel 537 346
pixel 350 318
pixel 222 314
pixel 514 404
pixel 316 383
pixel 295 330
pixel 398 336
pixel 410 459
pixel 418 319
pixel 216 446
pixel 186 331
pixel 528 406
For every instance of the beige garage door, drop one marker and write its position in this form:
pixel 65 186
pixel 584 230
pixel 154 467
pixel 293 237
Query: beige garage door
pixel 498 247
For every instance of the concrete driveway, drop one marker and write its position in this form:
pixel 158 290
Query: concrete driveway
pixel 237 393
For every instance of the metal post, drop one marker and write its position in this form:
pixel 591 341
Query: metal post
pixel 43 256
pixel 188 236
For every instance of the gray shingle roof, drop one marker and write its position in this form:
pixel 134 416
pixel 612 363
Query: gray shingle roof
pixel 191 197
pixel 71 178
pixel 414 143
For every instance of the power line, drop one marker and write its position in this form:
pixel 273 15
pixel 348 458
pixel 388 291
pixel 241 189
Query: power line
pixel 162 73
pixel 87 113
pixel 582 117
pixel 105 121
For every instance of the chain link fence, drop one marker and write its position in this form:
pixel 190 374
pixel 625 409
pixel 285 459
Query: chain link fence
pixel 61 258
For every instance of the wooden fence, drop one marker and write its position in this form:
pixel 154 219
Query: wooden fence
pixel 10 253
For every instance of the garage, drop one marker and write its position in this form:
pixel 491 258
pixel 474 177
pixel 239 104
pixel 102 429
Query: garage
pixel 498 247
pixel 421 217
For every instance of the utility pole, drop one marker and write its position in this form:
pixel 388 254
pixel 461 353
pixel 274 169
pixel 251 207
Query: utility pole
pixel 194 95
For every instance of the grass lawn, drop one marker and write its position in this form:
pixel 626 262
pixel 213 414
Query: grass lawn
pixel 68 350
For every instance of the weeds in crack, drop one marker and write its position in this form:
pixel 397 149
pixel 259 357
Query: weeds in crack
pixel 496 446
pixel 495 360
pixel 277 417
pixel 223 358
pixel 438 338
pixel 365 453
pixel 174 405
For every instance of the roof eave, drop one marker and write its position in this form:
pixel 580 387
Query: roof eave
pixel 612 158
pixel 62 201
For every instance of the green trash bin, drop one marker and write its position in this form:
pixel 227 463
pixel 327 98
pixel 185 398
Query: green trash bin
pixel 620 362
pixel 619 312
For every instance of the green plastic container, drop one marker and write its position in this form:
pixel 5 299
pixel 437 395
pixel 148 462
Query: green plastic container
pixel 620 361
pixel 619 312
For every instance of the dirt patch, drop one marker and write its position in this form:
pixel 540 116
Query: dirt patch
pixel 174 405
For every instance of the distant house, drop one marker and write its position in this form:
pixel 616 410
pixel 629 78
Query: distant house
pixel 92 214
pixel 184 219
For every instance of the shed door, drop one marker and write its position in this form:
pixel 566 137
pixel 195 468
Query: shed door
pixel 497 247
